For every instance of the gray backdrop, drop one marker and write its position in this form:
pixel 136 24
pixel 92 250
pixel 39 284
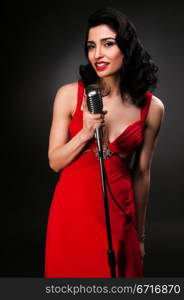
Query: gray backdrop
pixel 43 47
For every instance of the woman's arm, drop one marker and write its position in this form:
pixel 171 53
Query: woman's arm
pixel 141 173
pixel 62 150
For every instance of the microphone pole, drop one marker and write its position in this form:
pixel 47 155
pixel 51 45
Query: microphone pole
pixel 95 105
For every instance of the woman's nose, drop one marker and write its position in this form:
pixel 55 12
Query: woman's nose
pixel 98 52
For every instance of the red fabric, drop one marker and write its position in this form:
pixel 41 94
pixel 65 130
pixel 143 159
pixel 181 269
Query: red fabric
pixel 76 240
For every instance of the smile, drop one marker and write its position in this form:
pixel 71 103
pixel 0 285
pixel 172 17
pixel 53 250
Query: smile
pixel 100 66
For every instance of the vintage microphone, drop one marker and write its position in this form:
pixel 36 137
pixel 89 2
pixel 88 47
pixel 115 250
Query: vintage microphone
pixel 95 106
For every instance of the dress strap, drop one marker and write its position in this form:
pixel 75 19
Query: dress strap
pixel 145 109
pixel 80 95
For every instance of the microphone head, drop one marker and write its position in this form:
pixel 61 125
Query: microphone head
pixel 94 99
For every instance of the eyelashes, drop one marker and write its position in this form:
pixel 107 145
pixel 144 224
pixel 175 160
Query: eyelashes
pixel 106 44
pixel 109 44
pixel 90 46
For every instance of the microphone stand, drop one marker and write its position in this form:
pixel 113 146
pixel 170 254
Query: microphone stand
pixel 110 251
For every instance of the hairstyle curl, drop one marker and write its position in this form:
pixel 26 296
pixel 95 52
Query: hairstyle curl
pixel 138 73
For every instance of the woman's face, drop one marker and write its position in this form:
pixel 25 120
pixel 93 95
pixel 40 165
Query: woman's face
pixel 103 51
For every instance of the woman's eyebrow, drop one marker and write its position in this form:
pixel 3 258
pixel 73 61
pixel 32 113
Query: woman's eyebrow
pixel 104 39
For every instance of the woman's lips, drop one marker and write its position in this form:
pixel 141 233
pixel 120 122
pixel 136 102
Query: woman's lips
pixel 101 66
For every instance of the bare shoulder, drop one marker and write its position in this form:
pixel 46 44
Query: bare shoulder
pixel 69 89
pixel 66 96
pixel 157 104
pixel 156 112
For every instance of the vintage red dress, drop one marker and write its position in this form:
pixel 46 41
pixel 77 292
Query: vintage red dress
pixel 76 239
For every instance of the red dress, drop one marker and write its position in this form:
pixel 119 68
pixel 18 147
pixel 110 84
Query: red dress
pixel 76 240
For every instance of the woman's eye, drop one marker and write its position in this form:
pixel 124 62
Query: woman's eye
pixel 109 44
pixel 90 46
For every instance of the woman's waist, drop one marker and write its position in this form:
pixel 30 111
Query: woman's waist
pixel 89 158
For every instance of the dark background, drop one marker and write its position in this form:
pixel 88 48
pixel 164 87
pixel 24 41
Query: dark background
pixel 42 49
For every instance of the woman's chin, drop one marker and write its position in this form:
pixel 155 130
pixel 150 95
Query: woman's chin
pixel 103 75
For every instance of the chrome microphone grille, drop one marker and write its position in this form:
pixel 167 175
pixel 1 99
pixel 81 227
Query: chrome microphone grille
pixel 94 99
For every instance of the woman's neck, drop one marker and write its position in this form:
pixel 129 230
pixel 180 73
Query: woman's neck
pixel 111 85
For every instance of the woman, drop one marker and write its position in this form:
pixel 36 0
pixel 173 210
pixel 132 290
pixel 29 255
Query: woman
pixel 76 244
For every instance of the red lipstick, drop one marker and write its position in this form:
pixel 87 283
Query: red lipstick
pixel 101 65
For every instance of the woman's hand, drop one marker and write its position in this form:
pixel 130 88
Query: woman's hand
pixel 91 121
pixel 142 249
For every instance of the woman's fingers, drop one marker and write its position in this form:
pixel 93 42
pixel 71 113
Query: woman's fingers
pixel 98 125
pixel 84 104
pixel 92 121
pixel 104 112
pixel 97 116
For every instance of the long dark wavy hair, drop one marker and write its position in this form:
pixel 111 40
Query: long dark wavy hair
pixel 138 73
